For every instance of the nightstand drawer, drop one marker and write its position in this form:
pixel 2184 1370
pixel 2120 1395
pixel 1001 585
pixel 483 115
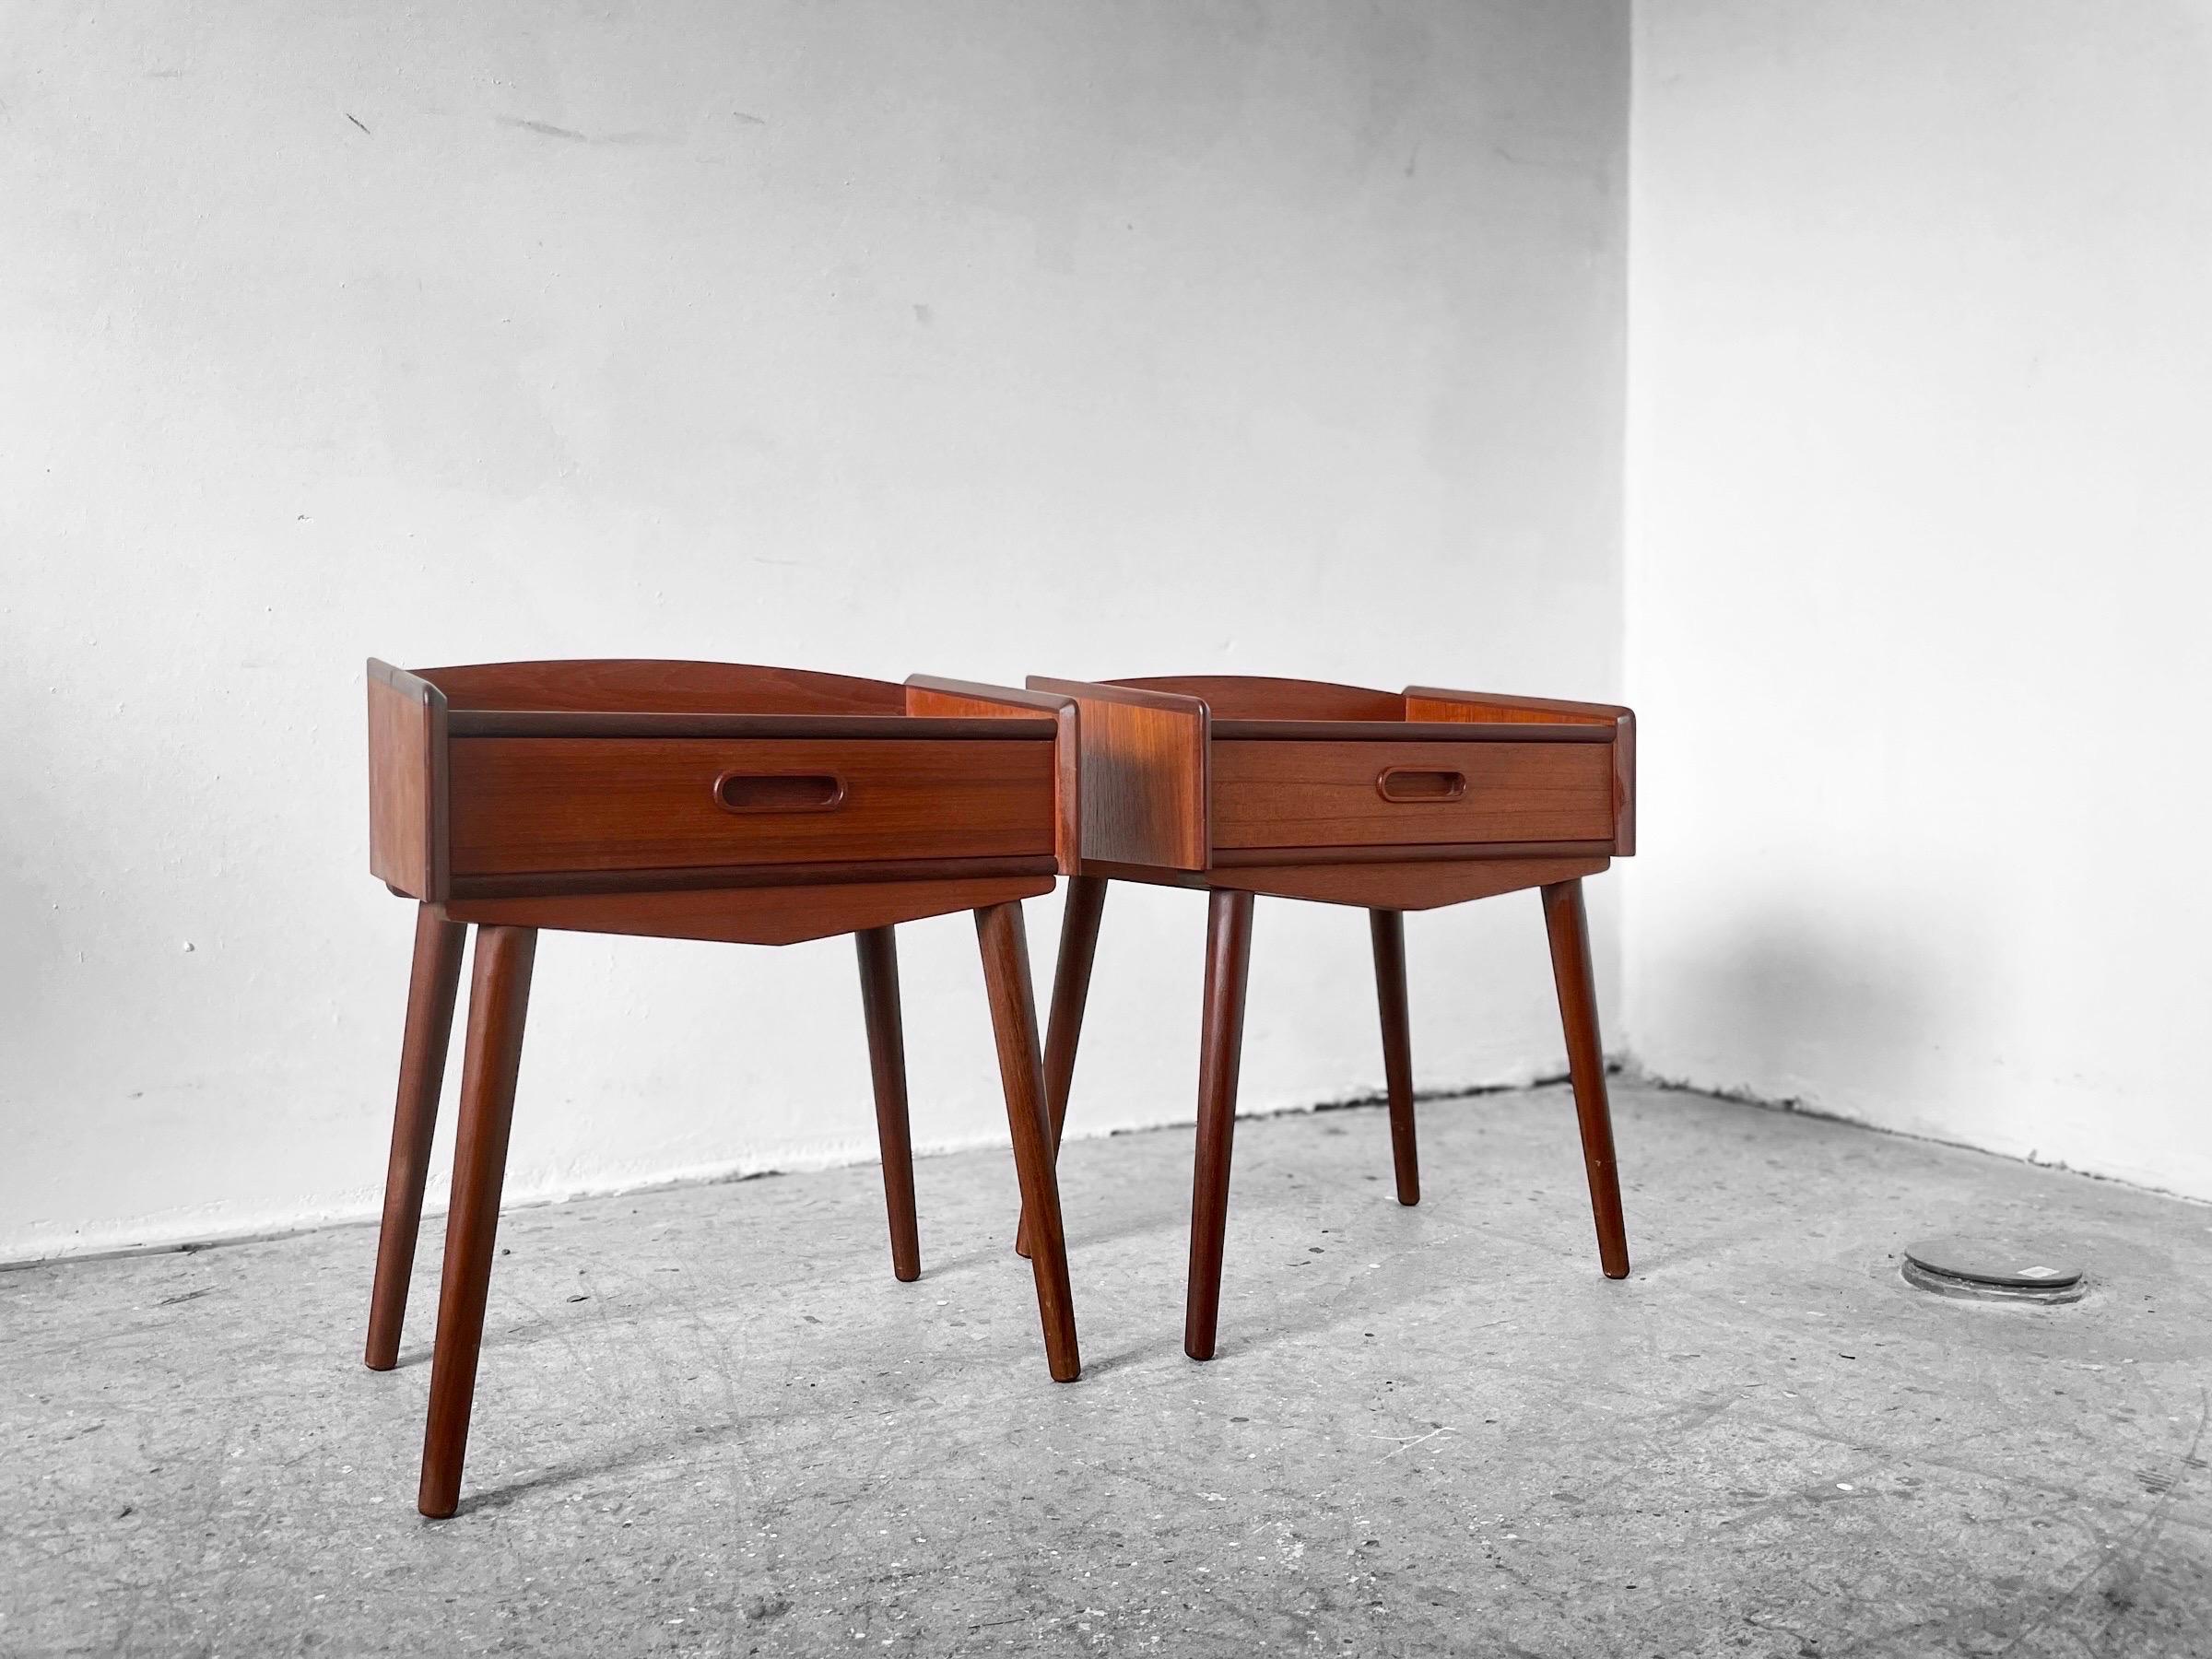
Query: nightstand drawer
pixel 554 804
pixel 1289 794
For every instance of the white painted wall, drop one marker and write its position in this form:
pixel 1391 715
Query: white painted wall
pixel 1920 488
pixel 979 339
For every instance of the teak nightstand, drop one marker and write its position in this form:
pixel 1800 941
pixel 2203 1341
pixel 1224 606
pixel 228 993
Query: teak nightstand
pixel 1390 801
pixel 690 801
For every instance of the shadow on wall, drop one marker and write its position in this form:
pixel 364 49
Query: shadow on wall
pixel 1785 1008
pixel 32 937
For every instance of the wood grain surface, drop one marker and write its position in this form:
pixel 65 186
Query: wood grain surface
pixel 1320 794
pixel 546 803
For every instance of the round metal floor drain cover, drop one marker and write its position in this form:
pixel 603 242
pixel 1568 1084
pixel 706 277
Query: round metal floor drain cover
pixel 2017 1265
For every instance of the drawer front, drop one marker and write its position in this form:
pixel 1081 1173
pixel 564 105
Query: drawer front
pixel 1278 793
pixel 552 804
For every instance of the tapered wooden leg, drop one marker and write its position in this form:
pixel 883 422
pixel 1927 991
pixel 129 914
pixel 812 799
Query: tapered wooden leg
pixel 498 997
pixel 431 988
pixel 1071 990
pixel 1570 930
pixel 1389 929
pixel 999 932
pixel 878 949
pixel 1220 1047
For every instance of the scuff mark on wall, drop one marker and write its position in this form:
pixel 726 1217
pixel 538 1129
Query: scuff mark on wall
pixel 546 129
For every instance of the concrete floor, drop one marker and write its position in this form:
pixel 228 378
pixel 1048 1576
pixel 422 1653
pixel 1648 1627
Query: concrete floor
pixel 711 1422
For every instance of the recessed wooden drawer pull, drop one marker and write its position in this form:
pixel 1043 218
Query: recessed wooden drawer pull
pixel 1420 783
pixel 773 791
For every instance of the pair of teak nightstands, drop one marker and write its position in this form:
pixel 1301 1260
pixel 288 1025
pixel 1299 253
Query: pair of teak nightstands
pixel 768 806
